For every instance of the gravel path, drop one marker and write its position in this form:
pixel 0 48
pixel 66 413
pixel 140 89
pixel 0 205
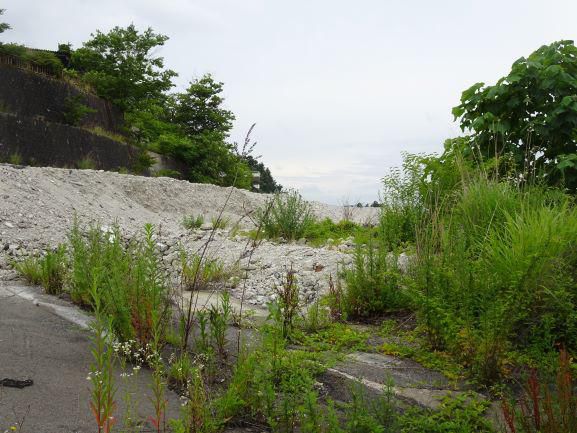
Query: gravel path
pixel 38 207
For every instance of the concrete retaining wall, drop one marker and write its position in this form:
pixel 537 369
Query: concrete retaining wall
pixel 43 143
pixel 29 94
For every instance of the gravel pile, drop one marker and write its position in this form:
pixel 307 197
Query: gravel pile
pixel 38 207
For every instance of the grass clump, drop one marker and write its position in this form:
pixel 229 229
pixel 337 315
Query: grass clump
pixel 191 222
pixel 220 222
pixel 286 215
pixel 197 272
pixel 495 274
pixel 86 163
pixel 98 130
pixel 15 158
pixel 319 232
pixel 49 270
pixel 373 283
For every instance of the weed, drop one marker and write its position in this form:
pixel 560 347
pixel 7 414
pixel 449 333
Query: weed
pixel 335 300
pixel 50 270
pixel 287 302
pixel 198 274
pixel 315 318
pixel 335 337
pixel 219 316
pixel 174 174
pixel 540 409
pixel 4 107
pixel 191 222
pixel 197 414
pixel 98 130
pixel 373 284
pixel 15 158
pixel 202 341
pixel 371 415
pixel 125 352
pixel 86 163
pixel 53 267
pixel 181 370
pixel 31 269
pixel 286 215
pixel 75 110
pixel 220 222
pixel 131 284
pixel 158 399
pixel 102 402
pixel 457 414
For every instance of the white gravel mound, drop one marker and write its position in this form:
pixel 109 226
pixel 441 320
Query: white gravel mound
pixel 38 207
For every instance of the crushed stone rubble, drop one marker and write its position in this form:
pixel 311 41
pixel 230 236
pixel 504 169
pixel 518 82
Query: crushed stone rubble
pixel 39 205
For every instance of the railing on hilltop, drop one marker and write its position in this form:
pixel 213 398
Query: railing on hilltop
pixel 18 62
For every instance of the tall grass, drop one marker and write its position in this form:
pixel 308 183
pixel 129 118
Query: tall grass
pixel 495 273
pixel 494 267
pixel 49 271
pixel 287 215
pixel 373 283
pixel 127 276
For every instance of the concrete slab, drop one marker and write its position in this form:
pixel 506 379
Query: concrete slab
pixel 205 299
pixel 410 383
pixel 38 344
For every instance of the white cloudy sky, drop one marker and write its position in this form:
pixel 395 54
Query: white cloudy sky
pixel 338 89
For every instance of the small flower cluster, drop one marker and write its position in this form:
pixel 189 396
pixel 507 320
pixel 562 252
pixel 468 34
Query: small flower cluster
pixel 184 400
pixel 129 349
pixel 135 371
pixel 95 376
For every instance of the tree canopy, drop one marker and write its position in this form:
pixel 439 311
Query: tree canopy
pixel 121 66
pixel 199 109
pixel 529 115
pixel 192 126
pixel 3 26
pixel 267 183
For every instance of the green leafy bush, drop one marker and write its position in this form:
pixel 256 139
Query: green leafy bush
pixel 75 110
pixel 286 215
pixel 41 58
pixel 318 232
pixel 373 284
pixel 15 50
pixel 528 115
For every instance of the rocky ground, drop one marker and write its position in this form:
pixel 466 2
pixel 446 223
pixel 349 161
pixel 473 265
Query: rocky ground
pixel 38 207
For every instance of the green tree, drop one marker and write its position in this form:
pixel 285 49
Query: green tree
pixel 3 26
pixel 267 183
pixel 121 66
pixel 199 109
pixel 530 115
pixel 201 140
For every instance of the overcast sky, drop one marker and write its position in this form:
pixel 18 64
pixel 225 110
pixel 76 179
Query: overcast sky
pixel 338 89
